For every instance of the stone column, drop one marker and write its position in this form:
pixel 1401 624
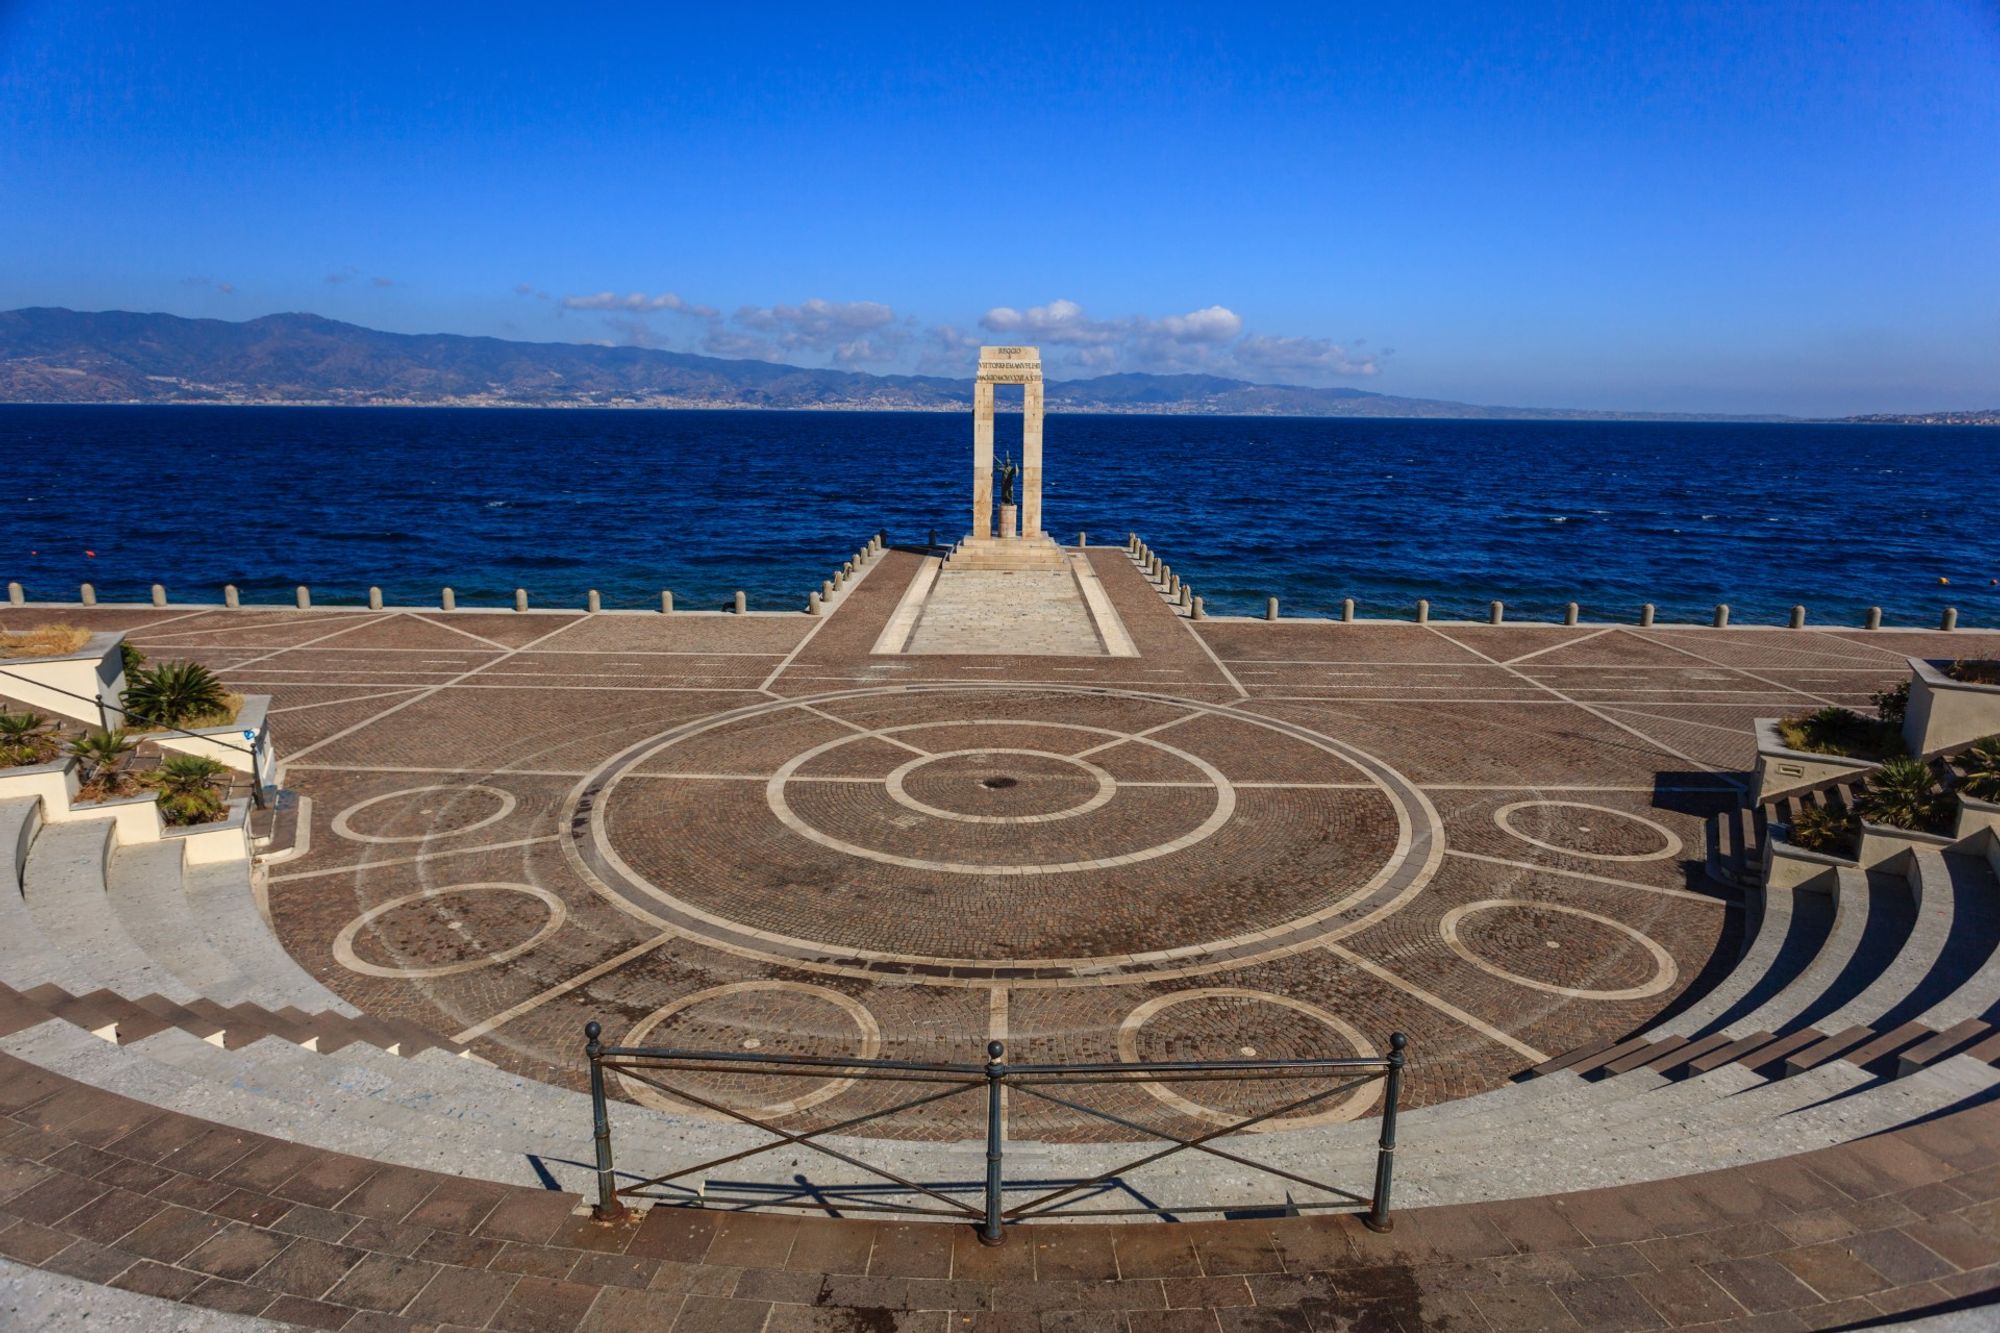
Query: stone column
pixel 1031 460
pixel 982 460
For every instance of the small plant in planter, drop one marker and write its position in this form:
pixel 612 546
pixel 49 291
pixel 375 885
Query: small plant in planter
pixel 177 694
pixel 1826 829
pixel 188 791
pixel 104 754
pixel 130 657
pixel 25 739
pixel 1974 672
pixel 1841 731
pixel 1904 794
pixel 1893 704
pixel 1982 770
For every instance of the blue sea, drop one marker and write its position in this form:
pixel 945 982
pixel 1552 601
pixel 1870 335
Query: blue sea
pixel 1537 514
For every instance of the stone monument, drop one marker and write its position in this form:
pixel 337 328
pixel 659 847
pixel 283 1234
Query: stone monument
pixel 1030 548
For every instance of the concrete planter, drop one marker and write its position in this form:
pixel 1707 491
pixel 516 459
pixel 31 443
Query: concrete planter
pixel 54 784
pixel 1782 770
pixel 1884 847
pixel 1789 867
pixel 203 844
pixel 243 745
pixel 84 685
pixel 1944 712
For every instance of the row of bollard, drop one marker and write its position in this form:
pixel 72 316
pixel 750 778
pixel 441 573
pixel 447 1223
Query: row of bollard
pixel 818 601
pixel 302 598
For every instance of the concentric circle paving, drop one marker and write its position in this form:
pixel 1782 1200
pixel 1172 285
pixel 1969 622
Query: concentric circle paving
pixel 992 834
pixel 1596 832
pixel 1579 943
pixel 438 818
pixel 476 919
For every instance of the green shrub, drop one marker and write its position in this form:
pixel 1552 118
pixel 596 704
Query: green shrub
pixel 202 806
pixel 175 694
pixel 1904 793
pixel 188 792
pixel 1974 671
pixel 129 657
pixel 103 754
pixel 1819 828
pixel 25 739
pixel 1982 770
pixel 1892 703
pixel 1841 731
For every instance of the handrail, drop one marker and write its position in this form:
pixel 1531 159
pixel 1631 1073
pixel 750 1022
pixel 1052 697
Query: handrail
pixel 644 1064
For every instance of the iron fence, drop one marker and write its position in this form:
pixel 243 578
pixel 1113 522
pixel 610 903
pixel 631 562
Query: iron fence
pixel 1056 1084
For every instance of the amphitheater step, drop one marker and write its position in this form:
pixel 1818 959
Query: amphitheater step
pixel 1942 1046
pixel 147 896
pixel 1883 1048
pixel 1675 1055
pixel 1572 1056
pixel 1825 1050
pixel 20 818
pixel 222 900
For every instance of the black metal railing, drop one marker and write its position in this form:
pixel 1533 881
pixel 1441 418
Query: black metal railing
pixel 649 1066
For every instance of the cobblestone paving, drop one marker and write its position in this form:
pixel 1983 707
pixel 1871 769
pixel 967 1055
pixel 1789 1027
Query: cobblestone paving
pixel 1289 838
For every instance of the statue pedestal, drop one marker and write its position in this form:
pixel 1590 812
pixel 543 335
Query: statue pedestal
pixel 1008 530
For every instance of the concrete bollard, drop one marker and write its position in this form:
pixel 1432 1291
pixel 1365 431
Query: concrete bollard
pixel 449 599
pixel 1186 598
pixel 1572 613
pixel 1949 620
pixel 87 594
pixel 666 602
pixel 1270 608
pixel 520 599
pixel 1082 540
pixel 1874 620
pixel 1496 613
pixel 1174 587
pixel 1646 614
pixel 374 599
pixel 1423 612
pixel 230 597
pixel 839 580
pixel 848 569
pixel 1347 609
pixel 1721 615
pixel 1798 617
pixel 303 598
pixel 812 603
pixel 933 541
pixel 1131 541
pixel 159 594
pixel 742 603
pixel 1166 574
pixel 825 589
pixel 15 595
pixel 592 602
pixel 1195 610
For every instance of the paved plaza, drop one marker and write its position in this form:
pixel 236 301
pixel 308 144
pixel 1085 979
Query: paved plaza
pixel 752 832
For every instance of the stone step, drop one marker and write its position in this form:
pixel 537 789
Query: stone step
pixel 146 895
pixel 27 957
pixel 1947 1043
pixel 20 819
pixel 1894 996
pixel 95 935
pixel 223 902
pixel 1759 958
pixel 1838 951
pixel 1973 953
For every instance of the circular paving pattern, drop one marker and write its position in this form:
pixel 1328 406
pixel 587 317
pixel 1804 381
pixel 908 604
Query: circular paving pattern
pixel 1283 1028
pixel 1598 948
pixel 981 834
pixel 1577 828
pixel 764 1017
pixel 455 919
pixel 440 819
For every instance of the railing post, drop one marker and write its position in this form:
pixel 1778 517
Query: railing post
pixel 1378 1218
pixel 608 1207
pixel 990 1233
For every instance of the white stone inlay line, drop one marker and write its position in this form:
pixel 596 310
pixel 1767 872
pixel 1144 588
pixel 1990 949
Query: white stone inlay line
pixel 1346 1109
pixel 1107 787
pixel 1671 848
pixel 864 1022
pixel 1664 975
pixel 1443 1006
pixel 342 822
pixel 343 943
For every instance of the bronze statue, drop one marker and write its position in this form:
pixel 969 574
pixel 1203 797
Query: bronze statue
pixel 1008 471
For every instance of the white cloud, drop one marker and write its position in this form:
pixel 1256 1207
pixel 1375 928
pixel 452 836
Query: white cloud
pixel 636 302
pixel 1210 340
pixel 852 333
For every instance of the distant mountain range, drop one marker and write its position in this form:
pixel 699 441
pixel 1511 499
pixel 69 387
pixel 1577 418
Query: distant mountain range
pixel 52 355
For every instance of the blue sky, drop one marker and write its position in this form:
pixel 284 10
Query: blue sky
pixel 1758 207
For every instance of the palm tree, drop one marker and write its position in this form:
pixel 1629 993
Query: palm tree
pixel 173 694
pixel 103 753
pixel 1904 793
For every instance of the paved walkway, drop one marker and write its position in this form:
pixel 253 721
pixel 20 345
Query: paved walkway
pixel 1025 612
pixel 101 1188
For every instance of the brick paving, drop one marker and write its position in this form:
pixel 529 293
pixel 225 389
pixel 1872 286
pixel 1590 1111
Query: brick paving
pixel 109 1190
pixel 1507 816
